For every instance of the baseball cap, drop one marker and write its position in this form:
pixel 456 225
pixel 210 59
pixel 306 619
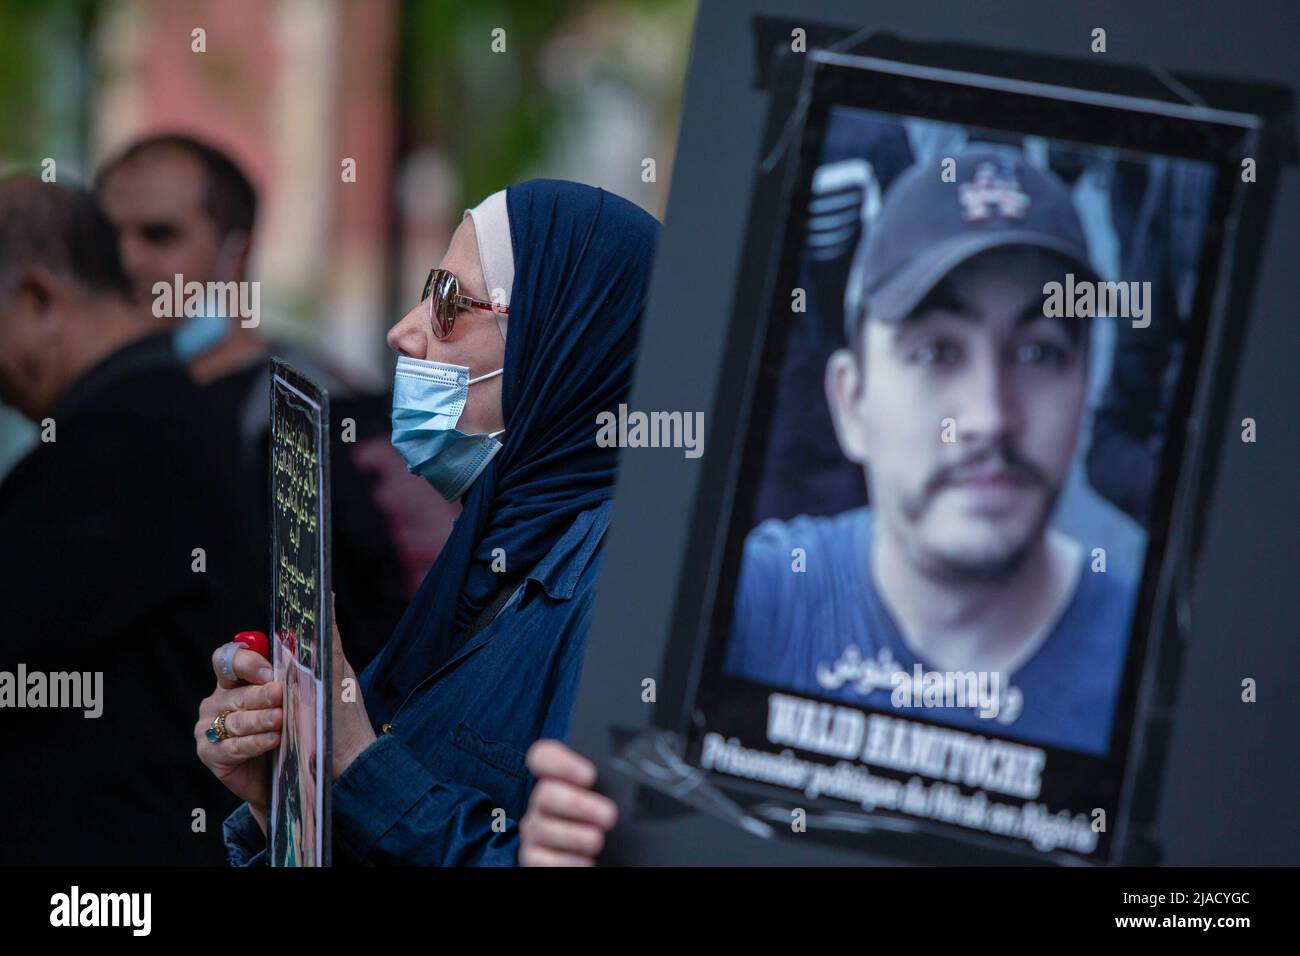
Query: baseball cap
pixel 928 227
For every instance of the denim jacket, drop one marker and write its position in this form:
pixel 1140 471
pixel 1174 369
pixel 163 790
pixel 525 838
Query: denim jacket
pixel 424 793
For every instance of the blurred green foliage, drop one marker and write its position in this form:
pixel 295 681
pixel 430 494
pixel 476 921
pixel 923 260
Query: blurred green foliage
pixel 43 76
pixel 490 113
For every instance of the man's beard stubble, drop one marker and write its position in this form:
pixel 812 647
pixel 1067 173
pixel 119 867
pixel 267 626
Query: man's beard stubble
pixel 956 571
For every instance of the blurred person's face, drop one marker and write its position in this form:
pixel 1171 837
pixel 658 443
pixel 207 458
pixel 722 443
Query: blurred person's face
pixel 475 340
pixel 978 351
pixel 155 203
pixel 36 323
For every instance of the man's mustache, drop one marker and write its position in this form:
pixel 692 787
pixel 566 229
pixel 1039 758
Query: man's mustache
pixel 1011 461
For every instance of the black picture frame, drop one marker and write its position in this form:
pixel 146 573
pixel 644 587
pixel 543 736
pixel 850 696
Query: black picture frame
pixel 300 405
pixel 798 84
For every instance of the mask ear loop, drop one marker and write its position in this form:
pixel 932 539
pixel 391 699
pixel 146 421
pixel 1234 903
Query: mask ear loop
pixel 482 378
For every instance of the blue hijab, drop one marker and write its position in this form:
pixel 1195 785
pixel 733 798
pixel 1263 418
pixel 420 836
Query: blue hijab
pixel 582 268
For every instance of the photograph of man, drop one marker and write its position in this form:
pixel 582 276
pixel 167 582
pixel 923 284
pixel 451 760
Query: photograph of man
pixel 963 403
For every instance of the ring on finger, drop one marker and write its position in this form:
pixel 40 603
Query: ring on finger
pixel 219 731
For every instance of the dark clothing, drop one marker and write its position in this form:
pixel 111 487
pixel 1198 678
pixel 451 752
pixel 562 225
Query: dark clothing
pixel 98 531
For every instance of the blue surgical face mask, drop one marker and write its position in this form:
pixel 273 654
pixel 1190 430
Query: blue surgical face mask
pixel 199 334
pixel 428 399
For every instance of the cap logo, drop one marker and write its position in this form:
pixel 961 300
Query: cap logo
pixel 992 192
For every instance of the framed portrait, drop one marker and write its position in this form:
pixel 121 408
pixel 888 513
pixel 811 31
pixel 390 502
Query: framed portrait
pixel 978 352
pixel 300 615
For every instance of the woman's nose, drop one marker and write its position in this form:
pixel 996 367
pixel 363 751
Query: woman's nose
pixel 409 336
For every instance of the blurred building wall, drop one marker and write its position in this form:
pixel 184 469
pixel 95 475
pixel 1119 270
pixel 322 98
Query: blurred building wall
pixel 434 115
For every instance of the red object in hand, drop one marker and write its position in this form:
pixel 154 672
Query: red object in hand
pixel 255 641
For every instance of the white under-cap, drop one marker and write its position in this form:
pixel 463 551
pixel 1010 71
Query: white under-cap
pixel 495 251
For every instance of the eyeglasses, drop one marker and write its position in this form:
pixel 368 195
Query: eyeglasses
pixel 442 290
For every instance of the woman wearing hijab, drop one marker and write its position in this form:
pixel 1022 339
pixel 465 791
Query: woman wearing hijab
pixel 526 332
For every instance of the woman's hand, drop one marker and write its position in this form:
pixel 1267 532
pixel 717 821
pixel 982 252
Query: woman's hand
pixel 242 760
pixel 566 820
pixel 254 716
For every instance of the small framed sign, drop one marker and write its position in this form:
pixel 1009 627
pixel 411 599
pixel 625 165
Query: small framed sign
pixel 300 616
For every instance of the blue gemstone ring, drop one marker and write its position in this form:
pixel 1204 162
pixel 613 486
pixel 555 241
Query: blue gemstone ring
pixel 218 732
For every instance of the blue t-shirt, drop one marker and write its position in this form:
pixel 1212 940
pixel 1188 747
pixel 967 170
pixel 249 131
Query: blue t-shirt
pixel 824 631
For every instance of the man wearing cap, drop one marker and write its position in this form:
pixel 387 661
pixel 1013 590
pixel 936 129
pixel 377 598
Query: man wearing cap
pixel 963 403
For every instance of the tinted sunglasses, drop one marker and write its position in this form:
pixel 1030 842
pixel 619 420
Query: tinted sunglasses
pixel 442 290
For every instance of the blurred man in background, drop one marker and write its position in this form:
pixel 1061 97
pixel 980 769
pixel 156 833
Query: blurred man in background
pixel 183 208
pixel 118 557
